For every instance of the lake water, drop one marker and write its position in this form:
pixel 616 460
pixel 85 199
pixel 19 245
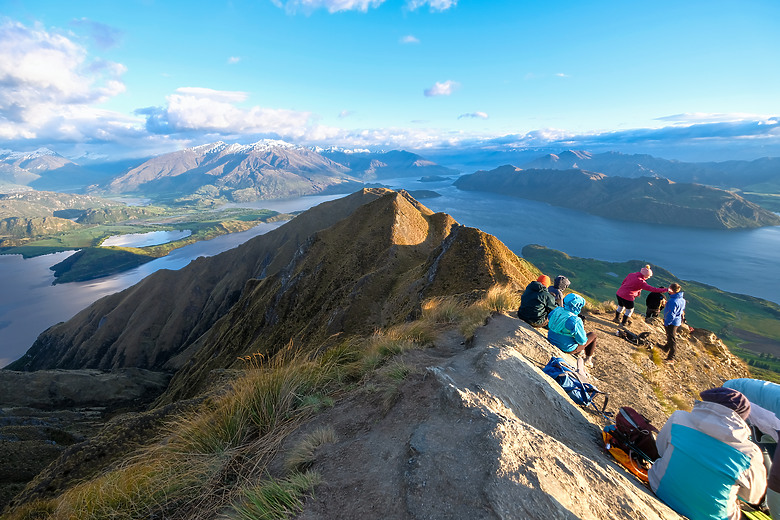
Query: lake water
pixel 152 238
pixel 736 261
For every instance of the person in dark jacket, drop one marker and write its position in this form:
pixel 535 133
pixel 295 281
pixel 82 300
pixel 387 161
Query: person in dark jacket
pixel 536 302
pixel 558 289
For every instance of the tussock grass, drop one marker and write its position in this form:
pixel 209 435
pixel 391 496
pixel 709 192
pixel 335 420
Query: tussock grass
pixel 603 307
pixel 442 310
pixel 680 402
pixel 233 436
pixel 501 298
pixel 301 456
pixel 272 500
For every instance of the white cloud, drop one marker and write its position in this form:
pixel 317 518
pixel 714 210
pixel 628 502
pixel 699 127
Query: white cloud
pixel 561 75
pixel 435 5
pixel 445 88
pixel 203 110
pixel 233 59
pixel 345 113
pixel 49 85
pixel 332 6
pixel 474 115
pixel 409 39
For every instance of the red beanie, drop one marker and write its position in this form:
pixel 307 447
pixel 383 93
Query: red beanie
pixel 544 280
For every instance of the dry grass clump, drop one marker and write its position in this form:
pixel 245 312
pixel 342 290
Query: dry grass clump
pixel 301 456
pixel 207 455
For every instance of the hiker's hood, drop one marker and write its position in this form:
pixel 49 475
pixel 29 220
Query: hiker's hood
pixel 676 295
pixel 536 287
pixel 561 282
pixel 573 303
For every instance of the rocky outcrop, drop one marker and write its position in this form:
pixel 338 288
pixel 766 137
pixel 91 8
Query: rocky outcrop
pixel 645 199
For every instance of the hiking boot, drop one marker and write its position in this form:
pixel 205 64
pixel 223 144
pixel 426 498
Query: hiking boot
pixel 626 321
pixel 616 319
pixel 589 361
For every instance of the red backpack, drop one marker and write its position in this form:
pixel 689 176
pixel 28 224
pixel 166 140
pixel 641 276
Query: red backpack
pixel 634 434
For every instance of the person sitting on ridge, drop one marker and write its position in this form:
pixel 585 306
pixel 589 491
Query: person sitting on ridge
pixel 707 458
pixel 558 289
pixel 629 291
pixel 536 302
pixel 566 330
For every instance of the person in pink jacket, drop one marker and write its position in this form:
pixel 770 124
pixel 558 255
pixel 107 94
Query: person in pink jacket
pixel 630 289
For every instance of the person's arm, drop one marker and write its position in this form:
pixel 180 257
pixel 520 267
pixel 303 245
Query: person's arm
pixel 580 336
pixel 752 483
pixel 664 437
pixel 647 287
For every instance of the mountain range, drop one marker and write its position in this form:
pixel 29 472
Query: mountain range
pixel 430 424
pixel 728 174
pixel 643 199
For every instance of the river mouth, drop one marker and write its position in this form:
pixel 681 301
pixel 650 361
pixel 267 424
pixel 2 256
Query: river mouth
pixel 152 238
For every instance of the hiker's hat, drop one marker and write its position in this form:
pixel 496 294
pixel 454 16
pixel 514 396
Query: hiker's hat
pixel 729 398
pixel 646 271
pixel 544 280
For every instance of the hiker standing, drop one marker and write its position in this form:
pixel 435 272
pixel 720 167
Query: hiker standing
pixel 629 290
pixel 558 289
pixel 566 330
pixel 673 318
pixel 536 302
pixel 707 458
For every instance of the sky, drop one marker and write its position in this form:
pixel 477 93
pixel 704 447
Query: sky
pixel 108 80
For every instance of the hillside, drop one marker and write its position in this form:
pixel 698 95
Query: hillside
pixel 645 199
pixel 348 325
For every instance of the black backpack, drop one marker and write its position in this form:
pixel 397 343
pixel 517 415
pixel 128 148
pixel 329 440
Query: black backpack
pixel 641 340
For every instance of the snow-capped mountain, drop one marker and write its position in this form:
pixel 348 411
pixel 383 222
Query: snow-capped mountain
pixel 261 170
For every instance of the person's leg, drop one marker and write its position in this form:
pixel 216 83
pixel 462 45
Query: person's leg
pixel 590 348
pixel 629 311
pixel 619 309
pixel 671 341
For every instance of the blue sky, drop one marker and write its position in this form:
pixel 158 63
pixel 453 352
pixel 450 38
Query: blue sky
pixel 134 78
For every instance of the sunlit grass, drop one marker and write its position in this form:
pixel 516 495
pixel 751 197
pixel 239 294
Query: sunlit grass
pixel 275 499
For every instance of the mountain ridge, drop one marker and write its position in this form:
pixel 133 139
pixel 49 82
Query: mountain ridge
pixel 646 199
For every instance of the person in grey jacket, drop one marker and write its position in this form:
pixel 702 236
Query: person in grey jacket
pixel 558 289
pixel 708 460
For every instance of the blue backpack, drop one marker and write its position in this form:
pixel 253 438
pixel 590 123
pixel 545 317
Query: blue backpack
pixel 580 392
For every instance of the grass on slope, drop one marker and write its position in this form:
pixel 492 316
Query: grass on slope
pixel 215 462
pixel 748 325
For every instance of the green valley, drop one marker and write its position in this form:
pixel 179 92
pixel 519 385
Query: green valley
pixel 39 223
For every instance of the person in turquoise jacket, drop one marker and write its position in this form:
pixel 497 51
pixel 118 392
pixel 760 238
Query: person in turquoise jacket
pixel 566 330
pixel 707 458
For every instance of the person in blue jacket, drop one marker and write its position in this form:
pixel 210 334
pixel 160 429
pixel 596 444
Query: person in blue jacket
pixel 566 330
pixel 674 313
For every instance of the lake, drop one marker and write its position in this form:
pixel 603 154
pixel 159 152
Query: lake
pixel 741 261
pixel 152 238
